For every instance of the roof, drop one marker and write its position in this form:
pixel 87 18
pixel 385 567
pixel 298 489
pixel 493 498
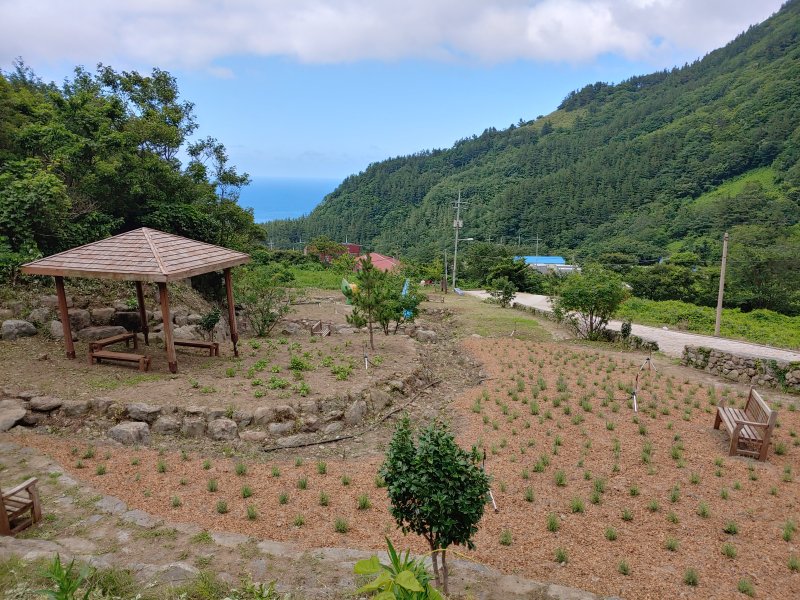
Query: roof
pixel 381 262
pixel 543 260
pixel 139 255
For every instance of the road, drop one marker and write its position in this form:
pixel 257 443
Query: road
pixel 670 342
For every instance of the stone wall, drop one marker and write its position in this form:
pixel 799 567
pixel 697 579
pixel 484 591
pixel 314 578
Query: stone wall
pixel 744 368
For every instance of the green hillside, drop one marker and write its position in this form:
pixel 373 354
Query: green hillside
pixel 625 173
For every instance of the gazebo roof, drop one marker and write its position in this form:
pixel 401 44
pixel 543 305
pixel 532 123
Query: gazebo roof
pixel 139 255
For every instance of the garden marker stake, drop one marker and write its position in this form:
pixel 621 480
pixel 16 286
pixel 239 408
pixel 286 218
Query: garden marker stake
pixel 650 367
pixel 491 496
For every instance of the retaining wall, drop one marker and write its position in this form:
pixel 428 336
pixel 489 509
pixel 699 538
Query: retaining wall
pixel 744 368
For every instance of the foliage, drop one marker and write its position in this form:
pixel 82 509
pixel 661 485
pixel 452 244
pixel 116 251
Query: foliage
pixel 403 578
pixel 435 488
pixel 210 320
pixel 68 581
pixel 396 307
pixel 502 290
pixel 659 165
pixel 370 297
pixel 325 248
pixel 263 298
pixel 588 299
pixel 760 326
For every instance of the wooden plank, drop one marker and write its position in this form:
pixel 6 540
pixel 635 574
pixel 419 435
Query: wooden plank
pixel 167 321
pixel 64 312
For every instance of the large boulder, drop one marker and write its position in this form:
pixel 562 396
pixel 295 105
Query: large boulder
pixel 167 424
pixel 139 411
pixel 102 316
pixel 355 413
pixel 187 332
pixel 253 436
pixel 222 430
pixel 57 331
pixel 425 335
pixel 193 427
pixel 75 408
pixel 290 328
pixel 46 403
pixel 98 333
pixel 51 301
pixel 10 416
pixel 17 328
pixel 39 315
pixel 280 428
pixel 79 318
pixel 127 319
pixel 130 433
pixel 264 415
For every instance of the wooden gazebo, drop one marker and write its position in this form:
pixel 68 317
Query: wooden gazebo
pixel 141 255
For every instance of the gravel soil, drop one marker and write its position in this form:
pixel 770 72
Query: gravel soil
pixel 562 408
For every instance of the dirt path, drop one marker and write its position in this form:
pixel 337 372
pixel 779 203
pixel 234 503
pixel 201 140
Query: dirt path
pixel 670 342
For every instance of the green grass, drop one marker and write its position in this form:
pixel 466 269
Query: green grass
pixel 760 326
pixel 306 278
pixel 489 320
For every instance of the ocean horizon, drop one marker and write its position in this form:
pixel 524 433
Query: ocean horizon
pixel 274 198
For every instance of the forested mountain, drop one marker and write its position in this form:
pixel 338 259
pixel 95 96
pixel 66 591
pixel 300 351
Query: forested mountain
pixel 99 155
pixel 627 173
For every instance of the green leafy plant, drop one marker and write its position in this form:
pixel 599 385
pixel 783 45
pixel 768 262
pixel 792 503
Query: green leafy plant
pixel 67 580
pixel 403 578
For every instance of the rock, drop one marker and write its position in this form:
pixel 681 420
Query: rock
pixel 355 413
pixel 79 318
pixel 39 315
pixel 102 316
pixel 333 427
pixel 290 328
pixel 195 411
pixel 51 302
pixel 310 423
pixel 17 328
pixel 215 413
pixel 140 518
pixel 10 416
pixel 181 321
pixel 193 427
pixel 253 436
pixel 284 412
pixel 98 333
pixel 129 433
pixel 379 399
pixel 424 335
pixel 31 419
pixel 179 311
pixel 6 314
pixel 139 411
pixel 46 403
pixel 75 408
pixel 127 319
pixel 16 308
pixel 194 319
pixel 347 331
pixel 76 545
pixel 263 415
pixel 111 505
pixel 102 404
pixel 187 332
pixel 57 331
pixel 27 394
pixel 166 425
pixel 222 429
pixel 156 317
pixel 293 440
pixel 243 418
pixel 309 407
pixel 280 428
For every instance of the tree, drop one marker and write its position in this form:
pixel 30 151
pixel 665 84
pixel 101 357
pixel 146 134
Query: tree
pixel 325 248
pixel 396 306
pixel 588 299
pixel 369 297
pixel 435 488
pixel 263 297
pixel 502 290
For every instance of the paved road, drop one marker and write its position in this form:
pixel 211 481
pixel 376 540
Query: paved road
pixel 670 342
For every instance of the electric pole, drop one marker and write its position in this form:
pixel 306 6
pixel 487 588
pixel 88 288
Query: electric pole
pixel 721 284
pixel 536 239
pixel 457 225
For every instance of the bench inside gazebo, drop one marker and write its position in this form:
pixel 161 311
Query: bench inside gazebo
pixel 141 255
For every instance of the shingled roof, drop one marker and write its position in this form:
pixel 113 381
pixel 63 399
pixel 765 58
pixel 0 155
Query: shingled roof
pixel 139 255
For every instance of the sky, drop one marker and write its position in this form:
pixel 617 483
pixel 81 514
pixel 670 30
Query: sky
pixel 321 89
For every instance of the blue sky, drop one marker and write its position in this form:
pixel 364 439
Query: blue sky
pixel 319 89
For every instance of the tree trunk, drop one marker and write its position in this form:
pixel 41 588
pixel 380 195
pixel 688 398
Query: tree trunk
pixel 445 574
pixel 371 340
pixel 435 561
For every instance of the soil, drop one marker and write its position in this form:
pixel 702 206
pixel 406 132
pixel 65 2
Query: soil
pixel 669 461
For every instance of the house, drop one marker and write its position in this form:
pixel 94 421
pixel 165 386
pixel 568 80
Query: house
pixel 352 249
pixel 381 262
pixel 548 264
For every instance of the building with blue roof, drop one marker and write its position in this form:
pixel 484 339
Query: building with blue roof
pixel 546 264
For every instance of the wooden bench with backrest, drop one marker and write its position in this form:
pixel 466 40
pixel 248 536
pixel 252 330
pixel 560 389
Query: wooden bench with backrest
pixel 16 503
pixel 212 347
pixel 98 355
pixel 750 429
pixel 115 339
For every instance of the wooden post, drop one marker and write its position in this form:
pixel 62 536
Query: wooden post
pixel 62 310
pixel 231 311
pixel 142 312
pixel 167 320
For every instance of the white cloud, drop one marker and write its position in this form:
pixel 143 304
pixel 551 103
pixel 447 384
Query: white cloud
pixel 189 34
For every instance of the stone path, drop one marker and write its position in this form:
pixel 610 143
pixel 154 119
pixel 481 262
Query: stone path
pixel 670 342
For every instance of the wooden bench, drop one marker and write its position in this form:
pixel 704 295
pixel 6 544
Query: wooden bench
pixel 16 503
pixel 750 429
pixel 321 329
pixel 98 355
pixel 212 347
pixel 115 339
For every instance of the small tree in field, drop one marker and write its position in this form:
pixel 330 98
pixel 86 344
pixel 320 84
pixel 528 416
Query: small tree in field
pixel 369 298
pixel 436 490
pixel 263 297
pixel 502 290
pixel 587 300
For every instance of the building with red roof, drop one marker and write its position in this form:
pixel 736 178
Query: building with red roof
pixel 381 262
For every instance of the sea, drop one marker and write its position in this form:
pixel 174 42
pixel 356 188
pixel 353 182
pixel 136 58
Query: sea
pixel 284 197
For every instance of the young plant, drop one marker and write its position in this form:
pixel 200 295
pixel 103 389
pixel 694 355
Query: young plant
pixel 403 577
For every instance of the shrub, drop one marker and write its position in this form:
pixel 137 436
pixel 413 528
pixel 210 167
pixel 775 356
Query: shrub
pixel 363 502
pixel 299 521
pixel 794 564
pixel 623 568
pixel 252 514
pixel 283 498
pixel 161 467
pixel 627 515
pixel 745 586
pixel 611 534
pixel 505 538
pixel 528 494
pixel 731 528
pixel 322 467
pixel 729 550
pixel 222 507
pixel 341 526
pixel 176 502
pixel 576 505
pixel 553 523
pixel 703 510
pixel 560 478
pixel 690 577
pixel 345 480
pixel 671 544
pixel 101 470
pixel 241 469
pixel 206 464
pixel 561 555
pixel 302 483
pixel 212 485
pixel 246 491
pixel 324 499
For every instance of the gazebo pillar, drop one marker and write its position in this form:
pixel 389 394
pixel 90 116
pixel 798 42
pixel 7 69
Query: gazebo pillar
pixel 231 311
pixel 142 312
pixel 167 320
pixel 62 310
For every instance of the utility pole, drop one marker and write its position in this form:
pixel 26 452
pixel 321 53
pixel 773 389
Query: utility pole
pixel 444 283
pixel 536 239
pixel 457 225
pixel 721 284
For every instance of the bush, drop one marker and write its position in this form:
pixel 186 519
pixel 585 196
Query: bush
pixel 263 298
